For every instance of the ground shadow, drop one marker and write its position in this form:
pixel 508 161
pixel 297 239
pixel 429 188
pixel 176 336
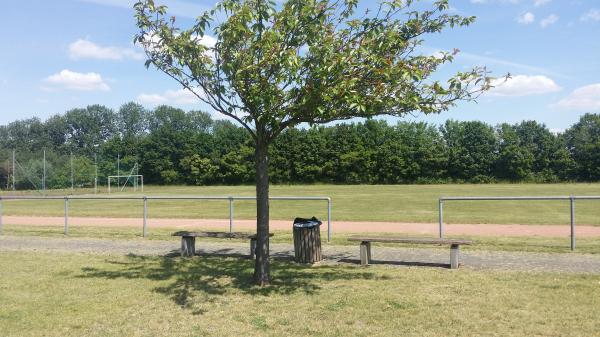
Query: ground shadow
pixel 219 273
pixel 400 263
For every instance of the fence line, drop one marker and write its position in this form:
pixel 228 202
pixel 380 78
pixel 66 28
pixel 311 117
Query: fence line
pixel 570 198
pixel 145 199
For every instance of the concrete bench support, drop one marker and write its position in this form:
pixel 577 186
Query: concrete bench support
pixel 188 246
pixel 454 255
pixel 365 253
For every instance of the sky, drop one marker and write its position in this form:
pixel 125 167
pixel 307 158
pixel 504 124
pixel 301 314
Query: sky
pixel 64 54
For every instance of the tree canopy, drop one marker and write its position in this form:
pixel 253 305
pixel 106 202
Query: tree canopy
pixel 273 67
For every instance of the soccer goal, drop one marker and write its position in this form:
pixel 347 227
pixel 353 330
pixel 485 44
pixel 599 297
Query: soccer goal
pixel 134 180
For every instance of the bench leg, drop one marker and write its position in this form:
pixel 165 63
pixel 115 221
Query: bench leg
pixel 365 253
pixel 454 252
pixel 188 246
pixel 252 248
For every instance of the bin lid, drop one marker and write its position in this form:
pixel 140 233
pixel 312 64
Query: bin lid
pixel 307 223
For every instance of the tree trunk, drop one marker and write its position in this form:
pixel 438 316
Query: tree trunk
pixel 262 265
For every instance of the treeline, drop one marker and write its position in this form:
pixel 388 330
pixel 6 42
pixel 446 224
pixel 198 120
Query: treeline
pixel 172 146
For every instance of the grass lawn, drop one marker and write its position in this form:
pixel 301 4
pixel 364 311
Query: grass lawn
pixel 52 294
pixel 399 203
pixel 486 243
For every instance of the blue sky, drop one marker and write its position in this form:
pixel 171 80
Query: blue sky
pixel 63 54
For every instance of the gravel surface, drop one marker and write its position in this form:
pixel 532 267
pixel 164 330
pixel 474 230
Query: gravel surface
pixel 396 256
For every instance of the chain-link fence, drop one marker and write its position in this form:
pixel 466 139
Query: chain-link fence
pixel 48 170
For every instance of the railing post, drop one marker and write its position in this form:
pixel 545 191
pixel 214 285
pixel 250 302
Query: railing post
pixel 66 232
pixel 1 216
pixel 328 219
pixel 572 199
pixel 145 228
pixel 230 214
pixel 441 217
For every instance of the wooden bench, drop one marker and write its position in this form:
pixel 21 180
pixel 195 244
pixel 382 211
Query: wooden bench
pixel 188 240
pixel 365 246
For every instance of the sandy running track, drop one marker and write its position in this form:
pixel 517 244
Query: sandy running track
pixel 337 226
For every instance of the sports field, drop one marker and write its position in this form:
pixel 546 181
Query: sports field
pixel 389 203
pixel 106 293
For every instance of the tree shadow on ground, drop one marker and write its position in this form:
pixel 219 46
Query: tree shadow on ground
pixel 399 263
pixel 211 275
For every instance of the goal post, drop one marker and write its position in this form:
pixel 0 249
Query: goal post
pixel 134 178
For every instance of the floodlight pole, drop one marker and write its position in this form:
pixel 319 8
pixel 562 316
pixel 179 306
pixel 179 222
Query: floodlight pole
pixel 96 174
pixel 72 183
pixel 14 172
pixel 44 176
pixel 119 169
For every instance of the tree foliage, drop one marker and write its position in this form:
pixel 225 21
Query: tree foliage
pixel 369 152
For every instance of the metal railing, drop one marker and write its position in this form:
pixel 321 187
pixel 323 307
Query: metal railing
pixel 570 198
pixel 145 199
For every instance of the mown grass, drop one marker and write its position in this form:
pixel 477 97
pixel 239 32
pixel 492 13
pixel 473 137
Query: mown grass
pixel 536 244
pixel 54 294
pixel 398 203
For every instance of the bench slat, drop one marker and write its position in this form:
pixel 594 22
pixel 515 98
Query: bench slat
pixel 221 235
pixel 410 240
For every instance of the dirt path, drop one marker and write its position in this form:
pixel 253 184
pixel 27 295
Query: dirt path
pixel 337 226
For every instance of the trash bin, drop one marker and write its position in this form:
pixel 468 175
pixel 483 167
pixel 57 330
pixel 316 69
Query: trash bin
pixel 307 240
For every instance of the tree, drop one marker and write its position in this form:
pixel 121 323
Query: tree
pixel 583 140
pixel 199 171
pixel 515 159
pixel 414 152
pixel 472 148
pixel 131 120
pixel 273 67
pixel 87 128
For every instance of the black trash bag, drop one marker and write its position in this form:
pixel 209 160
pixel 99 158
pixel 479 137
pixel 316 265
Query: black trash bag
pixel 307 223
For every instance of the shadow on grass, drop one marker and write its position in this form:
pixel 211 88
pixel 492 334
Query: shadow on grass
pixel 399 263
pixel 210 275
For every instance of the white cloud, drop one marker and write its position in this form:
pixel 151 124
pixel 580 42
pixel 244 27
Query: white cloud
pixel 181 96
pixel 512 67
pixel 152 99
pixel 77 81
pixel 584 98
pixel 538 3
pixel 151 42
pixel 526 18
pixel 549 20
pixel 207 41
pixel 81 49
pixel 591 15
pixel 524 85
